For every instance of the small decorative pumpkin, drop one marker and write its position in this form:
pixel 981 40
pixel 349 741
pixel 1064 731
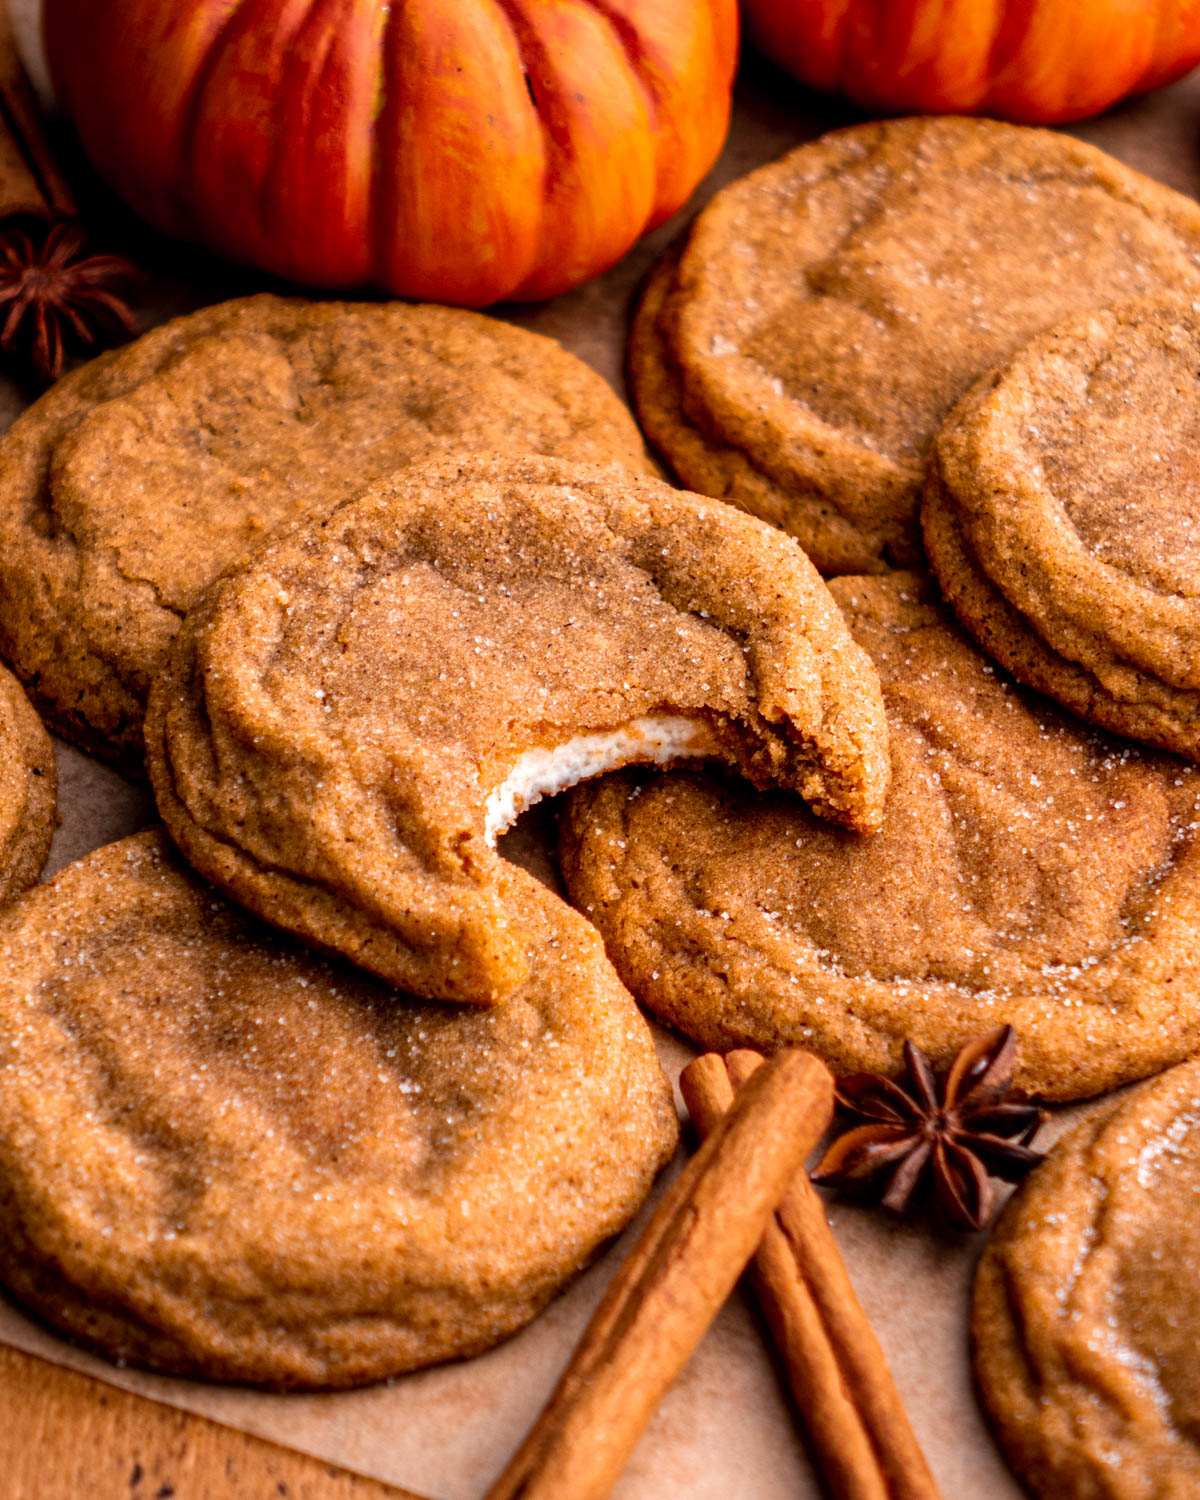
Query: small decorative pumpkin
pixel 1037 61
pixel 457 150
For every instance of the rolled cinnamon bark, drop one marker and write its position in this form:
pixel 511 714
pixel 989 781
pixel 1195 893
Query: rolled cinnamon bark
pixel 670 1288
pixel 839 1376
pixel 835 1427
pixel 29 176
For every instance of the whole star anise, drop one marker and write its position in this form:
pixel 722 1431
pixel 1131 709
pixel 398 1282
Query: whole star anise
pixel 958 1133
pixel 55 297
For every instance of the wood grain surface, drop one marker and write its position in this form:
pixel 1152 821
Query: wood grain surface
pixel 63 1435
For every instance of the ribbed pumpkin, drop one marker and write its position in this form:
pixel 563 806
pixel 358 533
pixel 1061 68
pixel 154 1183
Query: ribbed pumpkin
pixel 457 150
pixel 1038 61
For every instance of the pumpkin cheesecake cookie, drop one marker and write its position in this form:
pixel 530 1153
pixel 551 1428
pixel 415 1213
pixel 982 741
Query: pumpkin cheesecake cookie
pixel 132 483
pixel 1062 517
pixel 28 790
pixel 1086 1315
pixel 1028 871
pixel 827 310
pixel 222 1156
pixel 347 722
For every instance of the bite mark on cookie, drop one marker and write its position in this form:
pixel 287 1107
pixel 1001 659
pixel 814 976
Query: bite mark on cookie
pixel 655 741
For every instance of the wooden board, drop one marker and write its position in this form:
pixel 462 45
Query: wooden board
pixel 64 1434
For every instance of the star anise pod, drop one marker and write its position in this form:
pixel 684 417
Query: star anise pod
pixel 56 297
pixel 957 1132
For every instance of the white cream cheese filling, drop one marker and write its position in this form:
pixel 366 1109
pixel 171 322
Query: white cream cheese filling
pixel 541 773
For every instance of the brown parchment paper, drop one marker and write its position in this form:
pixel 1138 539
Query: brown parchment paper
pixel 725 1431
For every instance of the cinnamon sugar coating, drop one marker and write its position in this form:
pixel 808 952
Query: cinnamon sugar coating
pixel 28 790
pixel 132 483
pixel 222 1156
pixel 1086 1308
pixel 825 311
pixel 1062 516
pixel 343 719
pixel 1028 870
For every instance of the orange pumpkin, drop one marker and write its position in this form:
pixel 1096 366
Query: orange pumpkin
pixel 458 150
pixel 1039 61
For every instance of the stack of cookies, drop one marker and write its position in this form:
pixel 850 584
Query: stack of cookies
pixel 902 334
pixel 362 654
pixel 324 1087
pixel 969 351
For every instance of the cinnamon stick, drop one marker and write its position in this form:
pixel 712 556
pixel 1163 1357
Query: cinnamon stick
pixel 837 1371
pixel 29 176
pixel 58 297
pixel 670 1288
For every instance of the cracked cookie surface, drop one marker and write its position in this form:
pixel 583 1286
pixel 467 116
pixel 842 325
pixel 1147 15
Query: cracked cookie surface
pixel 346 722
pixel 137 479
pixel 1028 870
pixel 1062 517
pixel 225 1157
pixel 1086 1308
pixel 798 353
